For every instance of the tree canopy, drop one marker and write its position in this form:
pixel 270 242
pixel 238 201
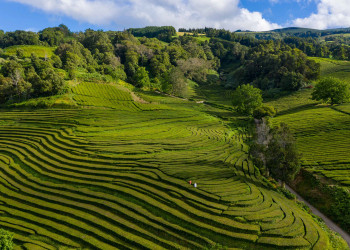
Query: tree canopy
pixel 246 99
pixel 113 55
pixel 283 158
pixel 331 90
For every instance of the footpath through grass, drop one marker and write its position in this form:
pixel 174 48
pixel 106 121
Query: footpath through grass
pixel 322 133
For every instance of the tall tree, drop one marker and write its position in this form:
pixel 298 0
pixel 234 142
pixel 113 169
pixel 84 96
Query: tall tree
pixel 246 99
pixel 259 145
pixel 141 78
pixel 282 156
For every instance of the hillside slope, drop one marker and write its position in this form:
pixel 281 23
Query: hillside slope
pixel 113 178
pixel 322 133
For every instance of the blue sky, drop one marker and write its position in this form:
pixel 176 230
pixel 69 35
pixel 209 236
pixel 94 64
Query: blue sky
pixel 281 12
pixel 79 15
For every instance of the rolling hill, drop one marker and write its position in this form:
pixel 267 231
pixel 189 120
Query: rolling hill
pixel 110 175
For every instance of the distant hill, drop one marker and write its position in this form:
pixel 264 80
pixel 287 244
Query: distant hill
pixel 295 31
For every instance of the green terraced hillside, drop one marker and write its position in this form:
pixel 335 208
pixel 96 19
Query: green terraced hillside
pixel 107 96
pixel 117 177
pixel 322 131
pixel 40 51
pixel 323 134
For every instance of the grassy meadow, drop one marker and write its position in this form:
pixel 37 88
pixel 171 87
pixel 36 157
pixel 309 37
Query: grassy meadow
pixel 334 68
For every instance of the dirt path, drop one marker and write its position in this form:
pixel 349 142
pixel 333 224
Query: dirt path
pixel 328 222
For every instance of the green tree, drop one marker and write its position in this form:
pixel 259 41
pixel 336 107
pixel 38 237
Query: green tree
pixel 264 111
pixel 246 99
pixel 6 89
pixel 331 90
pixel 56 61
pixel 259 144
pixel 97 40
pixel 20 53
pixel 53 36
pixel 292 81
pixel 131 62
pixel 6 240
pixel 195 69
pixel 141 78
pixel 282 156
pixel 178 82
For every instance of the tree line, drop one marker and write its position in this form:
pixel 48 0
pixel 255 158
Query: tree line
pixel 141 57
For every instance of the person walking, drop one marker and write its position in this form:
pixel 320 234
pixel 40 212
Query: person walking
pixel 195 184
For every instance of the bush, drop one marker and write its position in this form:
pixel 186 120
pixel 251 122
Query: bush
pixel 6 240
pixel 286 193
pixel 264 111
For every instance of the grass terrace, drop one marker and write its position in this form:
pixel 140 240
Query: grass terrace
pixel 40 51
pixel 111 176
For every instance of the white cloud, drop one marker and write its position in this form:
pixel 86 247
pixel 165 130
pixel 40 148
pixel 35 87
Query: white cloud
pixel 137 13
pixel 330 14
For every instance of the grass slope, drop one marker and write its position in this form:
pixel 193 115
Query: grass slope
pixel 322 131
pixel 40 51
pixel 323 134
pixel 335 68
pixel 118 178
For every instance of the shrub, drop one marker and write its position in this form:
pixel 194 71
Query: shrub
pixel 6 240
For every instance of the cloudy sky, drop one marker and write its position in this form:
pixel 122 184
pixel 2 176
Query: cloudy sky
pixel 254 15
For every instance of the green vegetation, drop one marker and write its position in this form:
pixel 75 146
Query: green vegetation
pixel 282 156
pixel 264 111
pixel 322 134
pixel 107 162
pixel 334 68
pixel 82 178
pixel 332 90
pixel 163 33
pixel 28 50
pixel 5 240
pixel 246 99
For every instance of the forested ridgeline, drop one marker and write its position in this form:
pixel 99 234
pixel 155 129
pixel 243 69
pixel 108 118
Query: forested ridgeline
pixel 153 58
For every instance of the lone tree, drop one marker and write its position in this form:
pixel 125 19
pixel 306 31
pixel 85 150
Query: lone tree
pixel 246 99
pixel 5 240
pixel 259 145
pixel 331 90
pixel 282 156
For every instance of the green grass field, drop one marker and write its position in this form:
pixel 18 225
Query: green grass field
pixel 335 68
pixel 103 177
pixel 40 51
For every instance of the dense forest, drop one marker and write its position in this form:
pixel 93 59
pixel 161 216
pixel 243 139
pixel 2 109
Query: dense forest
pixel 156 58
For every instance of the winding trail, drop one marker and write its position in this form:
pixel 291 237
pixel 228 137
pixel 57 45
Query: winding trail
pixel 328 222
